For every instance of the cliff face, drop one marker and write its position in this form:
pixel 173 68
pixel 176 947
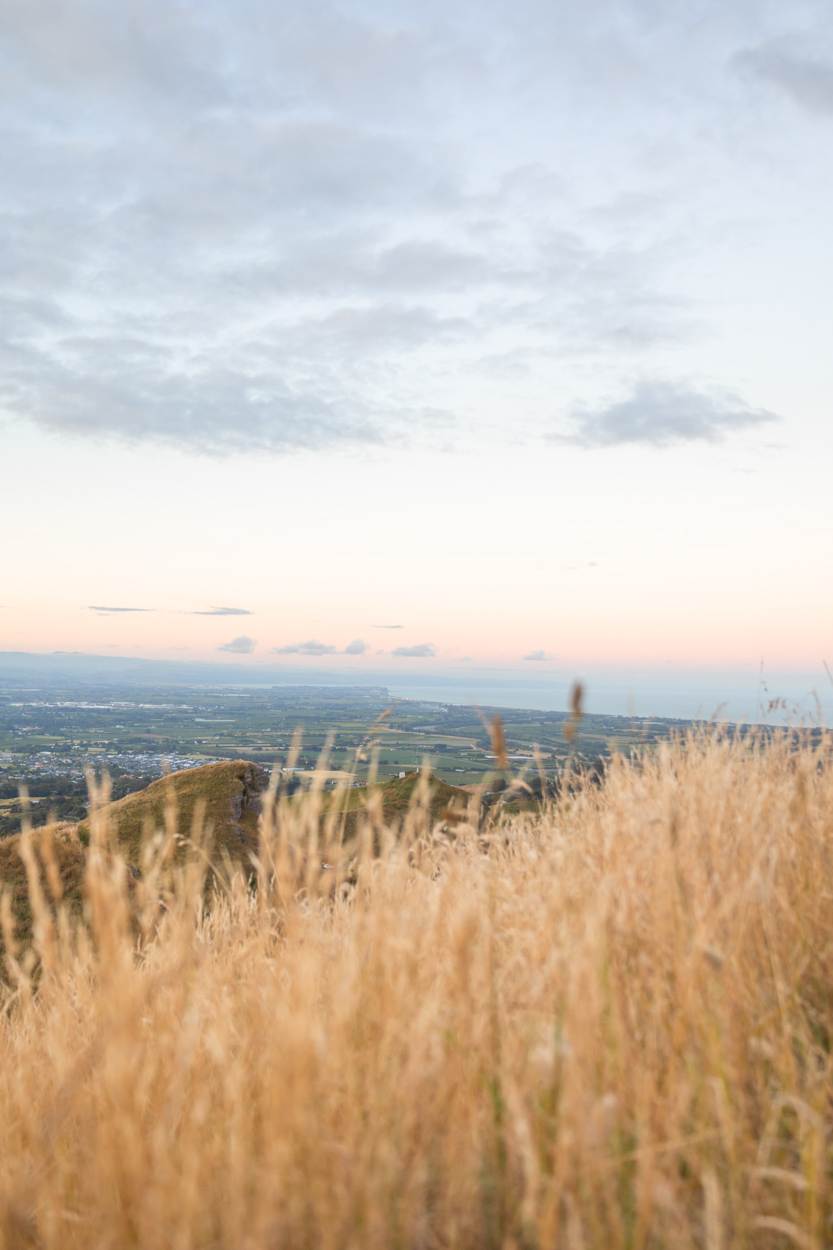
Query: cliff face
pixel 244 804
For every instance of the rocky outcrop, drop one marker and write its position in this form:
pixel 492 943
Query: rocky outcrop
pixel 253 781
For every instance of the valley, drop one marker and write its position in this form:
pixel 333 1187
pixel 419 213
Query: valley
pixel 52 732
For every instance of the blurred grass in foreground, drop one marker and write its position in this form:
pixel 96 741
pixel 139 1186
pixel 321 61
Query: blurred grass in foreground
pixel 603 1025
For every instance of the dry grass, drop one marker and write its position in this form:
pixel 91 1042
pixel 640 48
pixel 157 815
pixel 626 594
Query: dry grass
pixel 605 1027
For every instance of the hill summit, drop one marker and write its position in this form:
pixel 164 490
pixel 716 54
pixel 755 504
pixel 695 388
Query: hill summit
pixel 224 798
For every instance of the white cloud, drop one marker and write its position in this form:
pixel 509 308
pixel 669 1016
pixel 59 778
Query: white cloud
pixel 242 645
pixel 356 647
pixel 222 612
pixel 421 650
pixel 105 610
pixel 659 414
pixel 306 648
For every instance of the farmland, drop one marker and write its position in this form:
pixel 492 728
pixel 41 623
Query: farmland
pixel 51 733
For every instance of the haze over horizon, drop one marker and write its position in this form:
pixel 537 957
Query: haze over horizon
pixel 750 694
pixel 388 336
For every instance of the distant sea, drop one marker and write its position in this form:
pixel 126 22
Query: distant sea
pixel 739 694
pixel 785 698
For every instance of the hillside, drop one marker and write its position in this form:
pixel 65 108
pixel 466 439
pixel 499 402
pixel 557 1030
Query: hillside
pixel 611 1029
pixel 225 797
pixel 398 796
pixel 55 845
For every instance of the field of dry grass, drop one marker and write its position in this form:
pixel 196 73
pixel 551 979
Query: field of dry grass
pixel 606 1026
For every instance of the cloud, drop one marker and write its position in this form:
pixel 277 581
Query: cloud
pixel 100 608
pixel 659 414
pixel 96 391
pixel 420 650
pixel 387 626
pixel 313 647
pixel 806 78
pixel 290 249
pixel 242 645
pixel 538 655
pixel 221 612
pixel 255 235
pixel 306 648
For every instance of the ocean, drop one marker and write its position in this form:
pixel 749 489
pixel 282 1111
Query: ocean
pixel 778 698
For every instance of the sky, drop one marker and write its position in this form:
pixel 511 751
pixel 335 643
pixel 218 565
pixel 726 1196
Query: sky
pixel 421 335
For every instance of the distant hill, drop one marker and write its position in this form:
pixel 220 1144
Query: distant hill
pixel 77 667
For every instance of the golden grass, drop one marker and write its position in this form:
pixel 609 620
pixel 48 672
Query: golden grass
pixel 605 1027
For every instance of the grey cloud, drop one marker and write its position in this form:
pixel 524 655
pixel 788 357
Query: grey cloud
pixel 246 230
pixel 538 655
pixel 222 612
pixel 659 414
pixel 233 231
pixel 306 648
pixel 97 607
pixel 428 263
pixel 356 647
pixel 206 409
pixel 387 626
pixel 244 200
pixel 421 650
pixel 806 78
pixel 381 327
pixel 350 263
pixel 242 645
pixel 86 52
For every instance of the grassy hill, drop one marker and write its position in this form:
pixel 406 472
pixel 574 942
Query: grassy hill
pixel 398 796
pixel 223 799
pixel 61 859
pixel 610 1029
